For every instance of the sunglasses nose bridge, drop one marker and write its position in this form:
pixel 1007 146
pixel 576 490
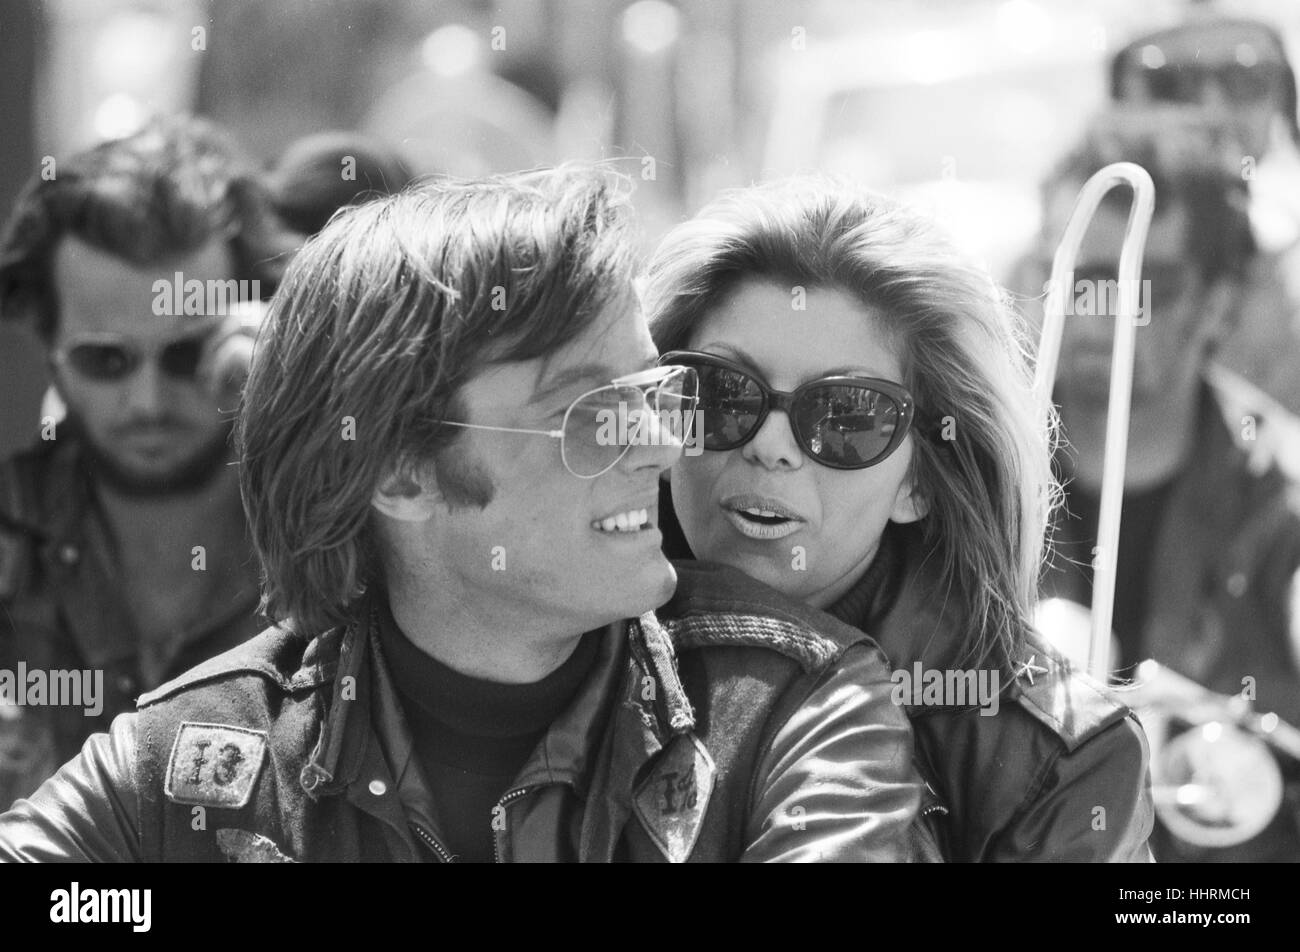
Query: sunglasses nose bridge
pixel 774 441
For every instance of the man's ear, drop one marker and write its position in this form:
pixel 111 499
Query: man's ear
pixel 407 493
pixel 909 504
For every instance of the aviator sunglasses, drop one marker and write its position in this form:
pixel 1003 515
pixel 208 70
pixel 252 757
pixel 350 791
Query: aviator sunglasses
pixel 648 408
pixel 841 422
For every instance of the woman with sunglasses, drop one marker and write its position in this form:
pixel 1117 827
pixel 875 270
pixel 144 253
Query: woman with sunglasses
pixel 869 449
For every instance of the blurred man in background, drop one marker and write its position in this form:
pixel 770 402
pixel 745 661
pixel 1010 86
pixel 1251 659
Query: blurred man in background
pixel 1236 73
pixel 123 546
pixel 1210 534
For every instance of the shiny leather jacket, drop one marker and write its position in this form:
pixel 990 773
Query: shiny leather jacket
pixel 730 726
pixel 1058 773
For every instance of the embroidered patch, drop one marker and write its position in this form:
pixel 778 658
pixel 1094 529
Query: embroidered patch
pixel 672 801
pixel 214 765
pixel 245 846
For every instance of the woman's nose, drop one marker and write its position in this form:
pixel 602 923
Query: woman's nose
pixel 774 445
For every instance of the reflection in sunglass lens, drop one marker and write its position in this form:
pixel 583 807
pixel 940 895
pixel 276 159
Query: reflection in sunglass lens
pixel 847 425
pixel 730 404
pixel 102 361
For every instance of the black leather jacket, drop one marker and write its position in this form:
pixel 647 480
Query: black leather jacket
pixel 732 726
pixel 1058 774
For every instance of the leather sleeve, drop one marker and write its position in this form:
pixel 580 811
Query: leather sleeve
pixel 837 783
pixel 87 812
pixel 1092 805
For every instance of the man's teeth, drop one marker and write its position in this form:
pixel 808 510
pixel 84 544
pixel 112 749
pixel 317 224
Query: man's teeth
pixel 630 521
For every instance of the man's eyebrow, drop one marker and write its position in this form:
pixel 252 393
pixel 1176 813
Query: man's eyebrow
pixel 567 378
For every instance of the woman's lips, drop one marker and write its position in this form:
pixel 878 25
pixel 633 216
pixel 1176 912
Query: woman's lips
pixel 759 530
pixel 761 517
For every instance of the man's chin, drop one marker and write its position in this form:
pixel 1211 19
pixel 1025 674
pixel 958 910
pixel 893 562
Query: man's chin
pixel 149 477
pixel 655 587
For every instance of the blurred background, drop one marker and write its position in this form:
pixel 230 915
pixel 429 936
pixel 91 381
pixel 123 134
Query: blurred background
pixel 958 105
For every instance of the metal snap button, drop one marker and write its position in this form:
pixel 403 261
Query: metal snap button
pixel 378 788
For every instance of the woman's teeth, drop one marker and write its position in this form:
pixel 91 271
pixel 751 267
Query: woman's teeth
pixel 631 521
pixel 763 514
pixel 762 524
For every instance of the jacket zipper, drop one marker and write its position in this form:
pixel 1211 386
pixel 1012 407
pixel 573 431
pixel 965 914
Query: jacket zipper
pixel 428 840
pixel 497 835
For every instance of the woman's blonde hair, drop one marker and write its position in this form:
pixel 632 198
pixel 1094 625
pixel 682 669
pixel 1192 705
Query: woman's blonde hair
pixel 982 456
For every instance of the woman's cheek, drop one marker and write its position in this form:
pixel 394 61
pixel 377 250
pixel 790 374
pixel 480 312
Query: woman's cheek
pixel 853 514
pixel 691 482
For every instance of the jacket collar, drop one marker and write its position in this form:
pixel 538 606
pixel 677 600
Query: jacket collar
pixel 633 682
pixel 905 604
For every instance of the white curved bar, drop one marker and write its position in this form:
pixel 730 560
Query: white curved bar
pixel 1121 371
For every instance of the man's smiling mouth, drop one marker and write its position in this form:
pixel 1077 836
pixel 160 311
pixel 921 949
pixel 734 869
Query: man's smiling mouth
pixel 630 520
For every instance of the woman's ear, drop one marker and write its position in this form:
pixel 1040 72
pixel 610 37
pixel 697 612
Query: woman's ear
pixel 406 493
pixel 910 505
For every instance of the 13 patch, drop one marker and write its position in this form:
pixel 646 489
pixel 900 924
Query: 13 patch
pixel 214 765
pixel 672 801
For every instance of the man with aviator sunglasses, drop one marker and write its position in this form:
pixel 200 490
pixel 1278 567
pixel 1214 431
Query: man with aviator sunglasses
pixel 123 544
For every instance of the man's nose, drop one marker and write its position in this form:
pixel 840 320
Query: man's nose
pixel 657 443
pixel 1214 96
pixel 774 445
pixel 145 390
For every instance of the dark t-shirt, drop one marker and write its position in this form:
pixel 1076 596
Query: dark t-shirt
pixel 472 736
pixel 1140 519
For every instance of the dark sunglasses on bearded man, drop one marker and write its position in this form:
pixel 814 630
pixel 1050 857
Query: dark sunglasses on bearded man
pixel 841 422
pixel 1245 58
pixel 107 358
